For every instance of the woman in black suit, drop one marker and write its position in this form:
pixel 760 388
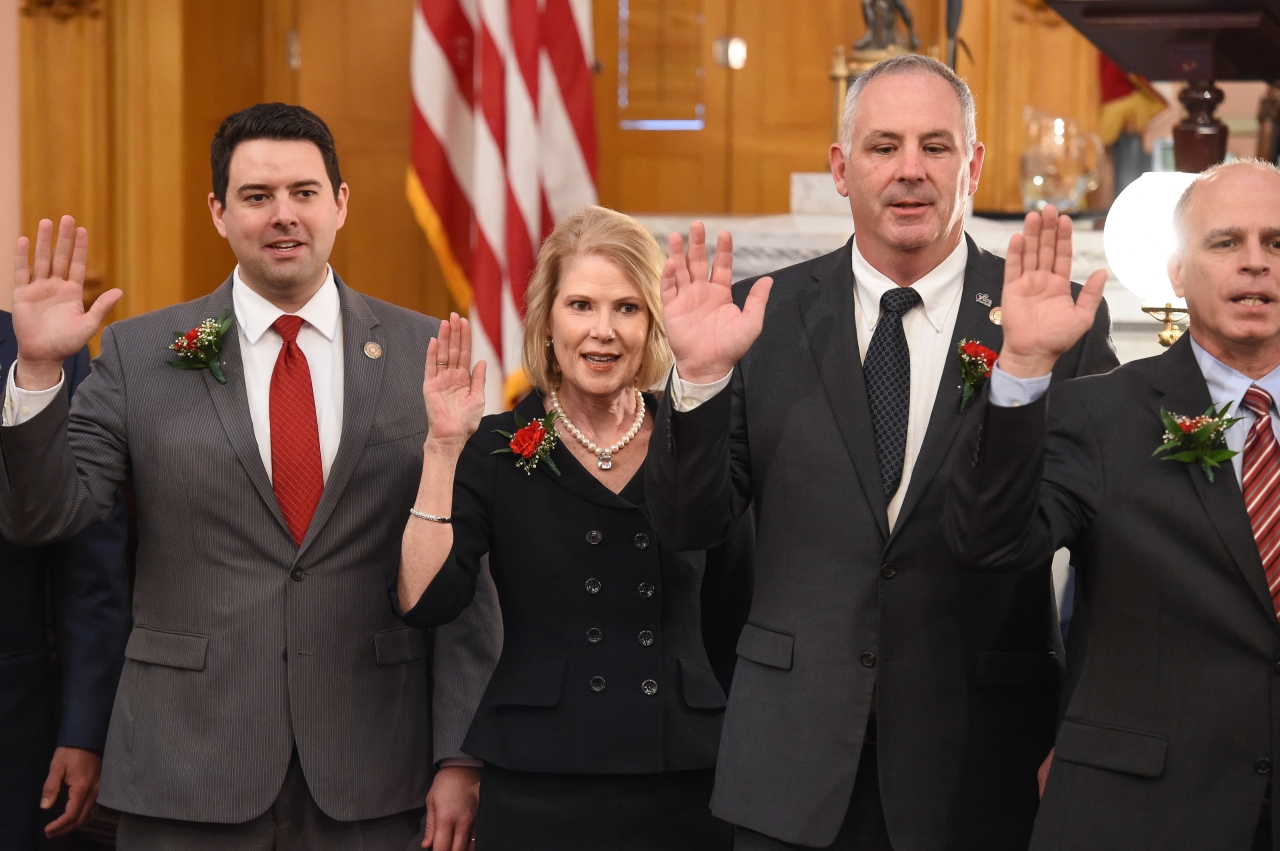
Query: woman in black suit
pixel 600 726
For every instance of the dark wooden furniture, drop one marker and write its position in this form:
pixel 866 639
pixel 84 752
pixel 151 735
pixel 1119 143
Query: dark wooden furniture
pixel 1197 41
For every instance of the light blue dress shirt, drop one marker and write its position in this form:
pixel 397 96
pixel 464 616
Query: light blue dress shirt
pixel 1226 386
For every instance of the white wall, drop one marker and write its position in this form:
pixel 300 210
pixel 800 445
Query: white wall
pixel 10 146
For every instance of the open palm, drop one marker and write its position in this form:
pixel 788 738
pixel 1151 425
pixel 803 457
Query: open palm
pixel 707 331
pixel 1041 319
pixel 452 391
pixel 49 319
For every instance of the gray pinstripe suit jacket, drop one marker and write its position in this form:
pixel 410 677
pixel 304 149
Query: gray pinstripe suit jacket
pixel 245 644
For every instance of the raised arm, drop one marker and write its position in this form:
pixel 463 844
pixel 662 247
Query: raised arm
pixel 1030 482
pixel 454 397
pixel 49 319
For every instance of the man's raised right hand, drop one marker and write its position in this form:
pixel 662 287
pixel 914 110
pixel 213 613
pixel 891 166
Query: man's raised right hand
pixel 49 319
pixel 707 332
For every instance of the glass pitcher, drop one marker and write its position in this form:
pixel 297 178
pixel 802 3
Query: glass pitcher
pixel 1059 162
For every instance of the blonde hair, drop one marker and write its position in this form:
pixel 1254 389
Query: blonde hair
pixel 619 239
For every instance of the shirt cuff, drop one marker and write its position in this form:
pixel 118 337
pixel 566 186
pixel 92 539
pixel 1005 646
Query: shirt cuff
pixel 1009 391
pixel 685 396
pixel 22 405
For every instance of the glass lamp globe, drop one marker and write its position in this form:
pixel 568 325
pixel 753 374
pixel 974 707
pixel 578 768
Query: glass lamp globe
pixel 1139 238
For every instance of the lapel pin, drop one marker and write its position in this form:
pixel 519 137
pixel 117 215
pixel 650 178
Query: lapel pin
pixel 996 315
pixel 983 299
pixel 372 350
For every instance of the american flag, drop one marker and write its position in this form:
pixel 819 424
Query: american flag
pixel 503 146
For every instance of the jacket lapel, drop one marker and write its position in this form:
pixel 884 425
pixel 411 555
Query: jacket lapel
pixel 973 322
pixel 826 309
pixel 574 477
pixel 361 384
pixel 231 402
pixel 1184 391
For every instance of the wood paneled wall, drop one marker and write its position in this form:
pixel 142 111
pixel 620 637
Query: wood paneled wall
pixel 119 110
pixel 1024 54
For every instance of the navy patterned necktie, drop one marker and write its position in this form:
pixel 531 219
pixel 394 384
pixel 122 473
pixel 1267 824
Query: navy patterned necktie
pixel 888 372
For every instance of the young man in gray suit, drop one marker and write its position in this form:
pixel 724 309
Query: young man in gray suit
pixel 883 697
pixel 270 697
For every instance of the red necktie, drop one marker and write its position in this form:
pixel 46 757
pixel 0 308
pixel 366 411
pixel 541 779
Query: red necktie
pixel 296 474
pixel 1262 487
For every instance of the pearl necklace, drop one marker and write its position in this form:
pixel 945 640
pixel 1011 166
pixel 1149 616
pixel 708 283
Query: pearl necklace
pixel 604 457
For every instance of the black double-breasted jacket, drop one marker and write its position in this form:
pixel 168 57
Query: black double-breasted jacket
pixel 603 667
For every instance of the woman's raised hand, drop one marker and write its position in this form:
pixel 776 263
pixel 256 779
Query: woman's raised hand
pixel 453 392
pixel 707 331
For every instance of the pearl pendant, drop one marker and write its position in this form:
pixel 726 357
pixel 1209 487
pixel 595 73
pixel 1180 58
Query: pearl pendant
pixel 604 461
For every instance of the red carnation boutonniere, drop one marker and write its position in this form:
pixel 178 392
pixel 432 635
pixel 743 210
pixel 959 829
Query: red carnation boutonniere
pixel 1198 440
pixel 201 347
pixel 531 442
pixel 976 361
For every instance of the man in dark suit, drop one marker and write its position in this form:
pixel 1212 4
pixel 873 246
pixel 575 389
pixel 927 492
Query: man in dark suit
pixel 270 695
pixel 46 744
pixel 1169 737
pixel 883 697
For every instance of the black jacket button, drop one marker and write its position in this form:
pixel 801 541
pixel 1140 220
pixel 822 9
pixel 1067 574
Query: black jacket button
pixel 645 638
pixel 645 589
pixel 1277 669
pixel 298 574
pixel 1262 766
pixel 649 687
pixel 594 635
pixel 868 660
pixel 597 684
pixel 888 572
pixel 593 586
pixel 594 537
pixel 642 541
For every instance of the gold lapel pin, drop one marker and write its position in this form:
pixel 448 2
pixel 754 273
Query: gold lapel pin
pixel 372 350
pixel 996 315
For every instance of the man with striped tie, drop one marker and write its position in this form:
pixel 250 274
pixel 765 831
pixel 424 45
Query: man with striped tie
pixel 1168 740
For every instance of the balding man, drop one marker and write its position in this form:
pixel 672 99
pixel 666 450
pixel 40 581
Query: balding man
pixel 883 697
pixel 1169 738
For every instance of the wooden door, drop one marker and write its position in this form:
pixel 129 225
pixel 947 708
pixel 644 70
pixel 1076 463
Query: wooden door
pixel 758 123
pixel 661 105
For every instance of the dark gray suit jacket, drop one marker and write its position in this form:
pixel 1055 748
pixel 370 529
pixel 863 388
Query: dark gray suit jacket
pixel 245 645
pixel 1170 735
pixel 965 668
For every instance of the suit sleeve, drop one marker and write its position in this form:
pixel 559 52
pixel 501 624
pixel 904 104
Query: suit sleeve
pixel 89 584
pixel 698 471
pixel 1095 354
pixel 466 655
pixel 452 589
pixel 63 468
pixel 1030 483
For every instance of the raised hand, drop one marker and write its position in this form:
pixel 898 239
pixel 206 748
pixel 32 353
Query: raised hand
pixel 453 392
pixel 1041 320
pixel 49 318
pixel 707 331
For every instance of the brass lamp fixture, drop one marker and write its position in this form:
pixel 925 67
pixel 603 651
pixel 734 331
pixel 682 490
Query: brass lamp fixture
pixel 1169 315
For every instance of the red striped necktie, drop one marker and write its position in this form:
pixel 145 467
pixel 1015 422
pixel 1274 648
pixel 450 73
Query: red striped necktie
pixel 297 476
pixel 1262 487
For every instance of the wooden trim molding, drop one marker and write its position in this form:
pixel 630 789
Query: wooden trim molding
pixel 63 10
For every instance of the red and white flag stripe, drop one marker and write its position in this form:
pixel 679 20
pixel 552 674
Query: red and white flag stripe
pixel 503 146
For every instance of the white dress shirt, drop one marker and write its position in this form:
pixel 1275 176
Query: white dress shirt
pixel 1226 387
pixel 320 340
pixel 928 328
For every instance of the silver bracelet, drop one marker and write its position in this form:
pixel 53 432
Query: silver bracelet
pixel 431 517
